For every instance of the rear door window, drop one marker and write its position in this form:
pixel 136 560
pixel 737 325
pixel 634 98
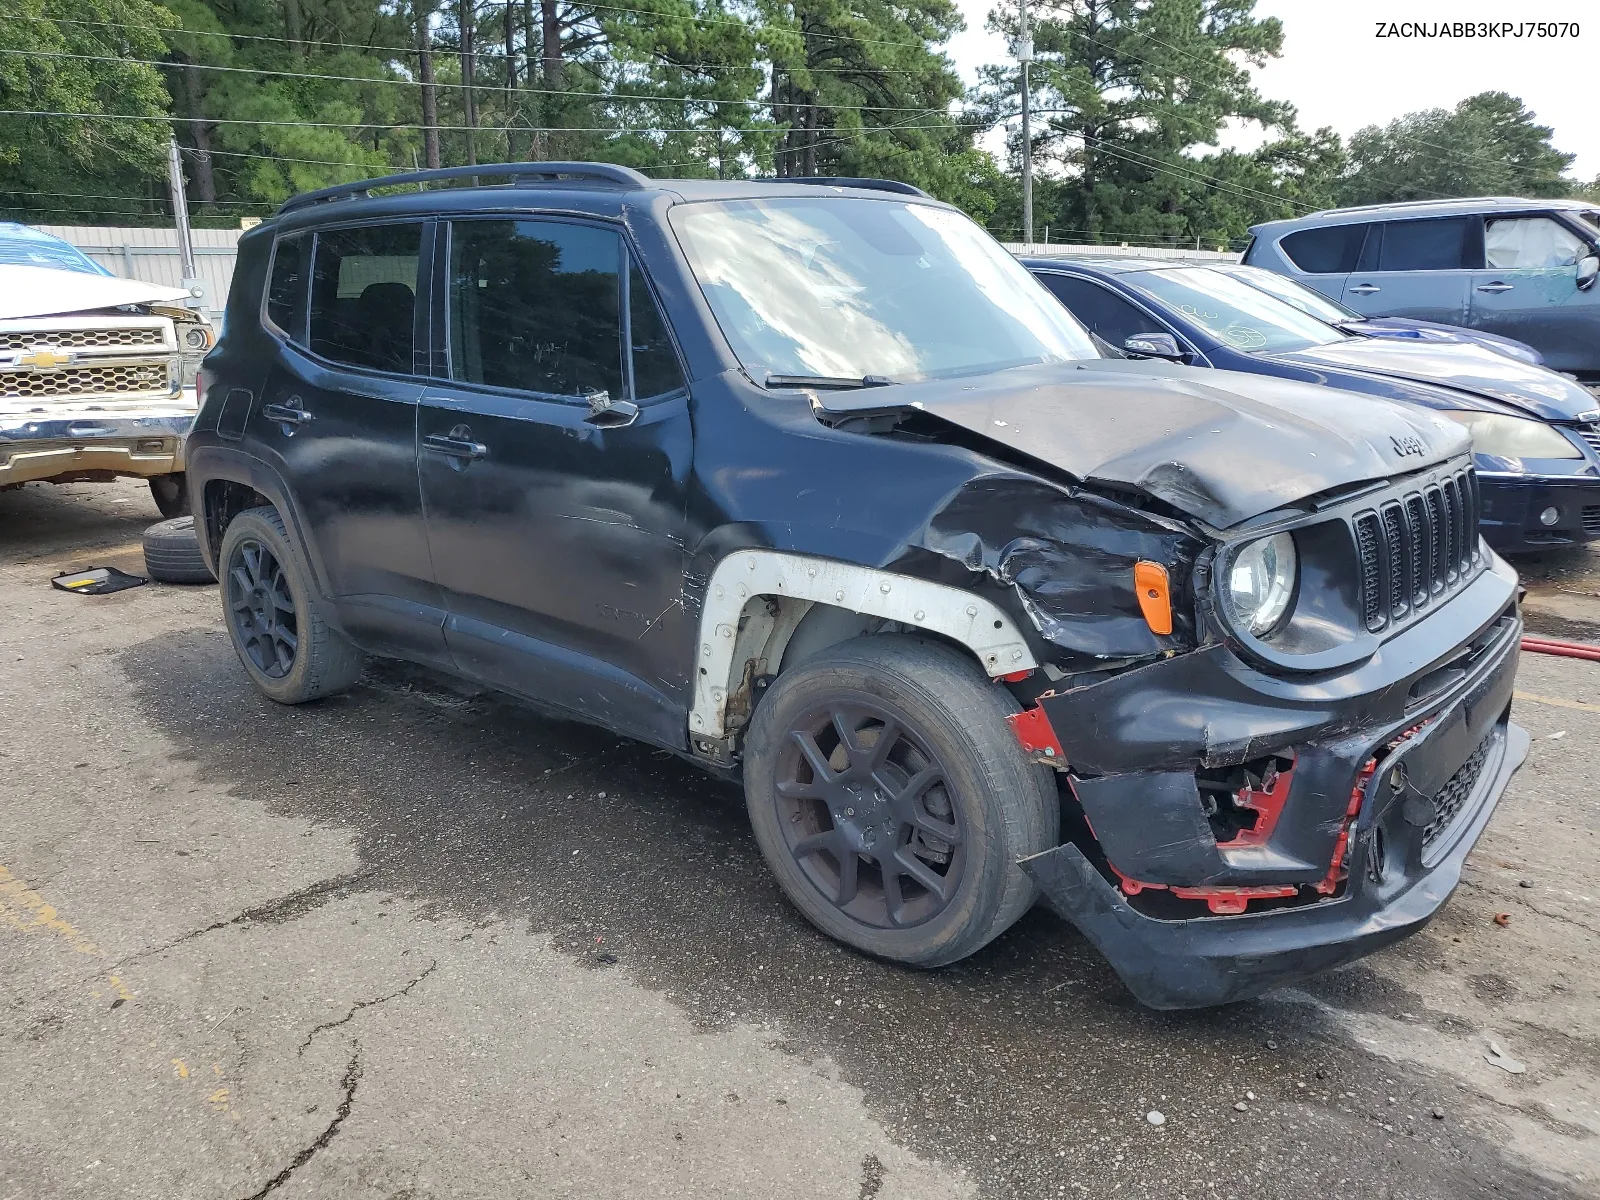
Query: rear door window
pixel 1442 244
pixel 1328 250
pixel 364 296
pixel 1100 310
pixel 536 305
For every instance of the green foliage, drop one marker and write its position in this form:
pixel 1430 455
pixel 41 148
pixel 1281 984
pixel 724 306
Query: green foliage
pixel 1127 91
pixel 80 162
pixel 1488 145
pixel 273 97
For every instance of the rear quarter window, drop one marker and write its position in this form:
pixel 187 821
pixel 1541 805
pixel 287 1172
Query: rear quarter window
pixel 286 287
pixel 1328 250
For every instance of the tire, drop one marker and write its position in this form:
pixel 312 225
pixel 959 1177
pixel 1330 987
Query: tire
pixel 171 494
pixel 172 553
pixel 954 768
pixel 274 617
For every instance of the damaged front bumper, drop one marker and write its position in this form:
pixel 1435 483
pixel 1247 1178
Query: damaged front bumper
pixel 1398 765
pixel 89 444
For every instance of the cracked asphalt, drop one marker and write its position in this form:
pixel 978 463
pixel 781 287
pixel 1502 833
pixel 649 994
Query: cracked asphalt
pixel 416 941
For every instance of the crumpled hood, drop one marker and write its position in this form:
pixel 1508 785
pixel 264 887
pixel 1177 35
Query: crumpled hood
pixel 47 292
pixel 1218 445
pixel 1535 390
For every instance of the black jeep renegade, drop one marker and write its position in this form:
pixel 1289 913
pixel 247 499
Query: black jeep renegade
pixel 809 482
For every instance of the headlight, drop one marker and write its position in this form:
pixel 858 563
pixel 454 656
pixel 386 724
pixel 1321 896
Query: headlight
pixel 1261 583
pixel 196 338
pixel 1514 437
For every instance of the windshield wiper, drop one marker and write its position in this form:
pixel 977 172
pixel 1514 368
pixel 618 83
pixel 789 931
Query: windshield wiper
pixel 828 381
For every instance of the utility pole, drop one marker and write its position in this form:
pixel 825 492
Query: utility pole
pixel 1025 57
pixel 180 214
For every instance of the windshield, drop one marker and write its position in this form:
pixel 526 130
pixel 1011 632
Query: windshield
pixel 1307 300
pixel 30 249
pixel 1240 315
pixel 851 287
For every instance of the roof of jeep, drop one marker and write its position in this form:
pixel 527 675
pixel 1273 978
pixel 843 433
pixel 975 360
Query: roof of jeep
pixel 601 188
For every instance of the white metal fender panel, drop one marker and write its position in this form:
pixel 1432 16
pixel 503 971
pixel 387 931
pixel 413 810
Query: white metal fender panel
pixel 976 623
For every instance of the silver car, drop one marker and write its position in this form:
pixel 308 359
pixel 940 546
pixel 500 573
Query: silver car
pixel 1523 269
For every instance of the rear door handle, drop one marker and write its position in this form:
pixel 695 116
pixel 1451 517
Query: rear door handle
pixel 287 414
pixel 457 443
pixel 1495 287
pixel 1365 289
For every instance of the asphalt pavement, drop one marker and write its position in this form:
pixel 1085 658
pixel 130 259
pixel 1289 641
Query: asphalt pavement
pixel 417 941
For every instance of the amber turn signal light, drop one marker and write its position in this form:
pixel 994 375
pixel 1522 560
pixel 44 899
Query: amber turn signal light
pixel 1155 599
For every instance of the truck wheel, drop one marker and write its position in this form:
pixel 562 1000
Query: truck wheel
pixel 171 494
pixel 892 800
pixel 274 617
pixel 172 553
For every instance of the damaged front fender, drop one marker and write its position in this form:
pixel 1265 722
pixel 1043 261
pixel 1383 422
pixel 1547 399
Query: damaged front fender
pixel 1066 556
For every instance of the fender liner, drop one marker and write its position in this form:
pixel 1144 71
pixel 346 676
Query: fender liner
pixel 209 463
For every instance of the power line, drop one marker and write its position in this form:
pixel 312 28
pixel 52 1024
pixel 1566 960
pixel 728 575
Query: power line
pixel 492 55
pixel 489 55
pixel 474 87
pixel 410 127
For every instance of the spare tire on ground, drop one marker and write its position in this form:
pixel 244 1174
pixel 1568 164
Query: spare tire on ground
pixel 172 553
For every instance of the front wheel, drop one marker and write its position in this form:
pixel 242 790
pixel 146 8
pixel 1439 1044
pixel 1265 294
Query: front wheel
pixel 892 801
pixel 274 617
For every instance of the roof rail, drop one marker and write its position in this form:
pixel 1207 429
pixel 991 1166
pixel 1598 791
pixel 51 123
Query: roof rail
pixel 850 181
pixel 521 174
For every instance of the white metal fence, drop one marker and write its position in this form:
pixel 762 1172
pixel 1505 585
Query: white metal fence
pixel 152 255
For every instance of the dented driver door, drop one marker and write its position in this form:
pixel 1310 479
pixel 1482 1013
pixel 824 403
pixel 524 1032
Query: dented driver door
pixel 554 499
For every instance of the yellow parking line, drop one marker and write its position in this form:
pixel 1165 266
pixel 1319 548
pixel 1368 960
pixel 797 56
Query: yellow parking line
pixel 1557 702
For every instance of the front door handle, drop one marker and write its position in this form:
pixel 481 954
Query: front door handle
pixel 457 443
pixel 1365 289
pixel 1496 286
pixel 289 413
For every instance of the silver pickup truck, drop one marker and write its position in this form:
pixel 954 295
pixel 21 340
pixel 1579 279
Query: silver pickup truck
pixel 96 379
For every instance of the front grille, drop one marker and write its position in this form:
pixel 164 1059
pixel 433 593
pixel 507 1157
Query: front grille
pixel 148 378
pixel 1590 434
pixel 1416 547
pixel 1449 799
pixel 79 339
pixel 1591 519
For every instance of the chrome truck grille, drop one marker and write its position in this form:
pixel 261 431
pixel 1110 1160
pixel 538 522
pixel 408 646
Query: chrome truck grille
pixel 73 359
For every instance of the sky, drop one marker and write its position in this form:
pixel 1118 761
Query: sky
pixel 1337 72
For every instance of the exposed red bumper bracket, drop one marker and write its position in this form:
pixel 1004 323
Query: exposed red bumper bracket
pixel 1038 736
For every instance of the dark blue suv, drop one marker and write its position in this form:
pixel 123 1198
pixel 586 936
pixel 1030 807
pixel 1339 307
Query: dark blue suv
pixel 1536 433
pixel 811 484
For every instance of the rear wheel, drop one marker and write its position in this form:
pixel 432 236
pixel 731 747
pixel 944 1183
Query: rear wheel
pixel 892 800
pixel 274 618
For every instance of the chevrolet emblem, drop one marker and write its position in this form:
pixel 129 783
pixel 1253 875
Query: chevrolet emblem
pixel 44 359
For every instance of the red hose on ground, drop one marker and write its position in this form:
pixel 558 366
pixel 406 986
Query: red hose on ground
pixel 1584 650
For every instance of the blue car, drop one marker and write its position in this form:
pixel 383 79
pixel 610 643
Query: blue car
pixel 1309 300
pixel 22 246
pixel 1536 434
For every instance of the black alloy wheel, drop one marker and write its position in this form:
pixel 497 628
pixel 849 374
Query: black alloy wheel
pixel 261 607
pixel 868 813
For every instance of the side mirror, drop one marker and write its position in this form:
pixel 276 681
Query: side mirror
pixel 1154 345
pixel 1588 268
